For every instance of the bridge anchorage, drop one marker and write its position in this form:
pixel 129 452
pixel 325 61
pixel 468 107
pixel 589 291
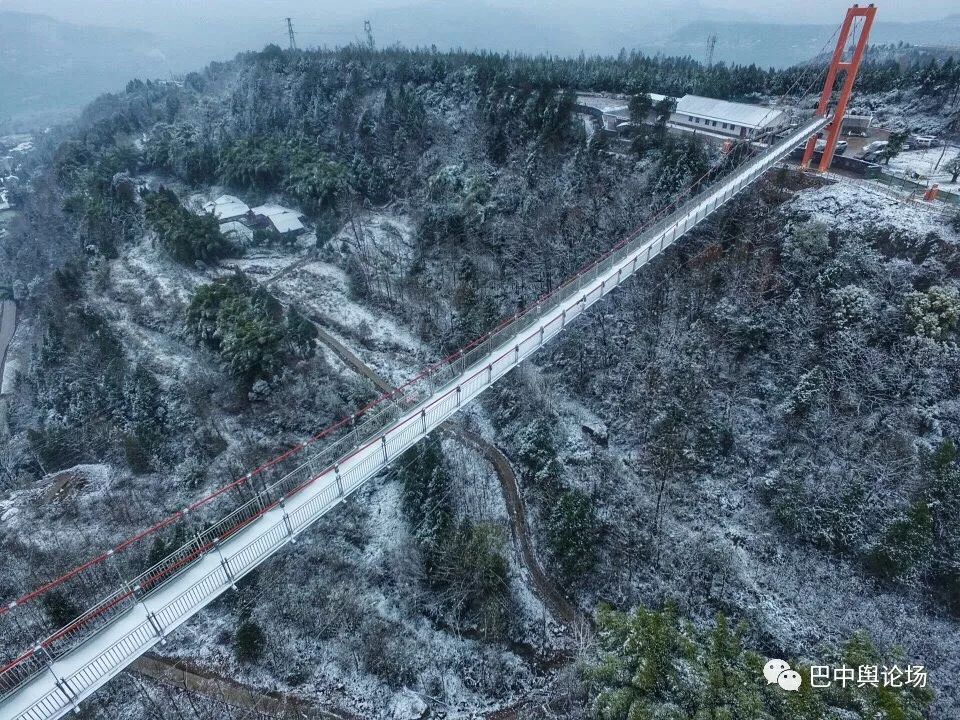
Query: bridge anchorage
pixel 55 675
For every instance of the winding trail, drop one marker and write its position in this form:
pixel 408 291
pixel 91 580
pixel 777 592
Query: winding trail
pixel 183 677
pixel 544 587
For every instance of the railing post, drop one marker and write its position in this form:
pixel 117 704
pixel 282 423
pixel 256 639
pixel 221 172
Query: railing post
pixel 58 681
pixel 151 618
pixel 65 688
pixel 225 565
pixel 154 623
pixel 287 522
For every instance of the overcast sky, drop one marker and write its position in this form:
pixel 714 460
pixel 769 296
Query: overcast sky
pixel 167 15
pixel 187 34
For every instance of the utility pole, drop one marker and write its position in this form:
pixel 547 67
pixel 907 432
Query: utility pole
pixel 711 44
pixel 293 38
pixel 368 29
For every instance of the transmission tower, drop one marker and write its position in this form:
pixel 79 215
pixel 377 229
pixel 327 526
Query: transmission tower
pixel 293 37
pixel 368 29
pixel 711 44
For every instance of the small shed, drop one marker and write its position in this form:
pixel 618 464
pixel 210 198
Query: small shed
pixel 283 220
pixel 856 125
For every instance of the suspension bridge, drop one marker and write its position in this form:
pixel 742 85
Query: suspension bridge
pixel 59 671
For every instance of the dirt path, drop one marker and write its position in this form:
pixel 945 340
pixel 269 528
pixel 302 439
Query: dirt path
pixel 545 589
pixel 206 684
pixel 542 585
pixel 182 676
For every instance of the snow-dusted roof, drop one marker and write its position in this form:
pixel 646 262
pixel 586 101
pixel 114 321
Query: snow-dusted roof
pixel 269 209
pixel 751 116
pixel 601 102
pixel 227 207
pixel 286 222
pixel 283 219
pixel 236 231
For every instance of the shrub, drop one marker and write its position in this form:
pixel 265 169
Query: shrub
pixel 185 236
pixel 572 534
pixel 934 314
pixel 249 642
pixel 246 327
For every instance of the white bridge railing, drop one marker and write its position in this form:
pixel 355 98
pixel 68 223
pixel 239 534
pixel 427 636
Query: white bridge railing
pixel 65 668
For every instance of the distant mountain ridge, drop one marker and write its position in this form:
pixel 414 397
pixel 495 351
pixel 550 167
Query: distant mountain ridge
pixel 782 45
pixel 48 67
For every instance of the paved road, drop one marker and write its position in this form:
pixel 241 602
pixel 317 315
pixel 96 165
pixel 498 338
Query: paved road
pixel 8 323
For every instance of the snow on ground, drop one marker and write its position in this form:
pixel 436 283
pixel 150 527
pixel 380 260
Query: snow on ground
pixel 603 103
pixel 929 163
pixel 354 573
pixel 854 205
pixel 370 537
pixel 589 127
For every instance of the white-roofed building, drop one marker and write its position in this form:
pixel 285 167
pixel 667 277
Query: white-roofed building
pixel 236 232
pixel 227 207
pixel 722 117
pixel 283 220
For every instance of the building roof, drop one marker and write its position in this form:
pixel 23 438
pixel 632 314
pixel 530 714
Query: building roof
pixel 283 219
pixel 236 231
pixel 601 102
pixel 751 116
pixel 286 222
pixel 227 207
pixel 270 209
